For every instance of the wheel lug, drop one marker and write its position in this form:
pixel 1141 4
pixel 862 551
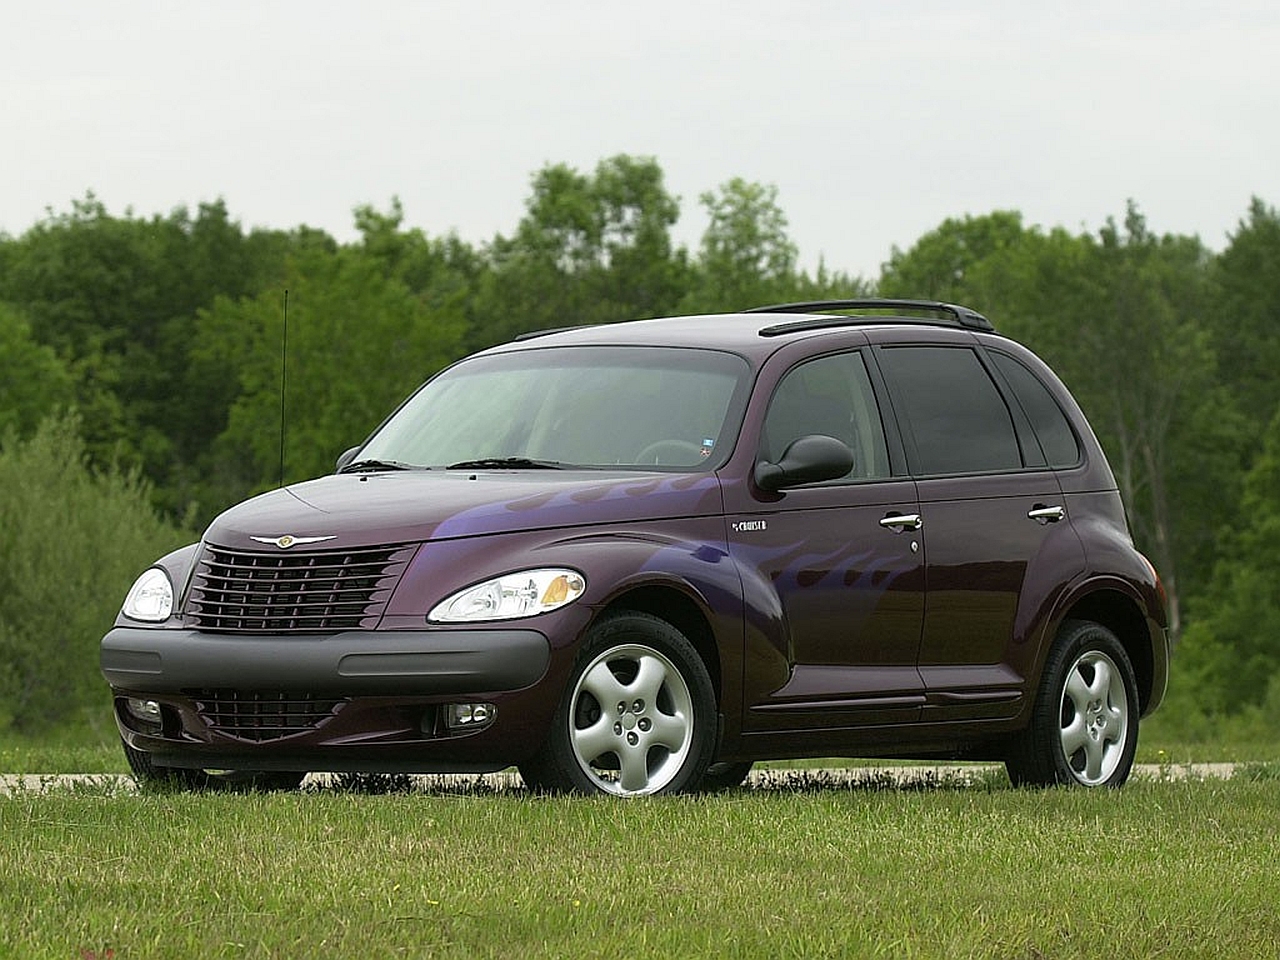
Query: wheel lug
pixel 622 708
pixel 632 739
pixel 638 706
pixel 617 728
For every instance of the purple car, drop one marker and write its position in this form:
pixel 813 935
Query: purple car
pixel 636 558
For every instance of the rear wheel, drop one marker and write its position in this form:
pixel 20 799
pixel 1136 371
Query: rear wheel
pixel 638 715
pixel 1084 726
pixel 147 773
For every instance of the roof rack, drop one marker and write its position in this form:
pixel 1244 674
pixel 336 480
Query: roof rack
pixel 546 332
pixel 951 314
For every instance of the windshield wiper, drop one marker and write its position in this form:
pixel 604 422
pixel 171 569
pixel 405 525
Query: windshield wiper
pixel 506 463
pixel 369 466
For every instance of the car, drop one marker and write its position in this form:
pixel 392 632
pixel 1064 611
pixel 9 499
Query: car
pixel 636 558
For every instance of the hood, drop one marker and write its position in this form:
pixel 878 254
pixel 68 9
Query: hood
pixel 368 509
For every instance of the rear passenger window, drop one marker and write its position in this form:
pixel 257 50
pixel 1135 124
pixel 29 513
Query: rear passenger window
pixel 953 410
pixel 1057 439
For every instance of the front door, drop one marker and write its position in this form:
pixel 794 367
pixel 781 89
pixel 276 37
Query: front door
pixel 840 563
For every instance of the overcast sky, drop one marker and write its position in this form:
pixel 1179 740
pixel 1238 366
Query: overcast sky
pixel 876 121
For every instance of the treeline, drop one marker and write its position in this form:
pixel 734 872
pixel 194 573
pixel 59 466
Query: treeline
pixel 163 337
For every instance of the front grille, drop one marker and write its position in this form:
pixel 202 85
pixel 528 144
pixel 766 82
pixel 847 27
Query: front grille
pixel 237 591
pixel 260 717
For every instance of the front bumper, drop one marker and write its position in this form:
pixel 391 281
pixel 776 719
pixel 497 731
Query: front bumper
pixel 358 700
pixel 387 662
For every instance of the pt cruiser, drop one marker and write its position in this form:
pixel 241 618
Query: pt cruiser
pixel 636 558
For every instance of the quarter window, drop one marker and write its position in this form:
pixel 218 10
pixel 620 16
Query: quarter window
pixel 1057 439
pixel 953 409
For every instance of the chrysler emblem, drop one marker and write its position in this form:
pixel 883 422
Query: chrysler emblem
pixel 288 540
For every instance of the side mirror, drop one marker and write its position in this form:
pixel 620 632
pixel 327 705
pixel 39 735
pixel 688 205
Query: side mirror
pixel 810 459
pixel 346 458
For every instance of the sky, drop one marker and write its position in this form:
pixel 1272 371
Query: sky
pixel 875 121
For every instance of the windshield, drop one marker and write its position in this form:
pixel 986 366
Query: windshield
pixel 572 407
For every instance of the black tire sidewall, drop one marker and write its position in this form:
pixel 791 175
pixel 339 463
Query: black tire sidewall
pixel 1075 639
pixel 557 768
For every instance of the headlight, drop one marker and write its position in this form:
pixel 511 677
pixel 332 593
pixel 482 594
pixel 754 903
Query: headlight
pixel 521 594
pixel 150 598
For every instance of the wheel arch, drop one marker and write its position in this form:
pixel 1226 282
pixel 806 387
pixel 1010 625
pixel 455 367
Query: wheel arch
pixel 685 614
pixel 1121 614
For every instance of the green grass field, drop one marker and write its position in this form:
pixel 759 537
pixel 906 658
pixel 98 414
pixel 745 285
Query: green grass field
pixel 799 868
pixel 1160 868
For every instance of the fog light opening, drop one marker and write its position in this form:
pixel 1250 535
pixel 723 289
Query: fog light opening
pixel 147 711
pixel 460 717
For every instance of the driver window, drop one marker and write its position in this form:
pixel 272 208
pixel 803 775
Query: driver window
pixel 832 396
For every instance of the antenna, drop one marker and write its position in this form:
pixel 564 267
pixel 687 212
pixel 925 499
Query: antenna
pixel 284 355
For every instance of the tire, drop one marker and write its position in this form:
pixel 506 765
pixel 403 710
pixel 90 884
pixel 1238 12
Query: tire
pixel 147 774
pixel 638 716
pixel 722 776
pixel 1084 724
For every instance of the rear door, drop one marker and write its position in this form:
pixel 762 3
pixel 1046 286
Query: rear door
pixel 991 511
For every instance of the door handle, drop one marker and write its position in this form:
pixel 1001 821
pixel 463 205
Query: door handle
pixel 1042 514
pixel 902 521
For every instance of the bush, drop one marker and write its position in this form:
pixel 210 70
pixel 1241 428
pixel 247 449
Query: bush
pixel 72 542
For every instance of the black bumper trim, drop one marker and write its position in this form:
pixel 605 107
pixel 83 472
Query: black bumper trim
pixel 354 662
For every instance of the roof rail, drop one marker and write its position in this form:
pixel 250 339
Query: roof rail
pixel 547 331
pixel 950 313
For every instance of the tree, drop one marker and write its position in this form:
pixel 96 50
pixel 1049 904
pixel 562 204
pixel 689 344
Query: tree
pixel 358 343
pixel 74 539
pixel 959 261
pixel 1143 361
pixel 33 381
pixel 591 248
pixel 1230 650
pixel 1246 331
pixel 115 298
pixel 746 257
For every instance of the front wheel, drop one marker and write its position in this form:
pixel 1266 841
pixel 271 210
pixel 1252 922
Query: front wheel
pixel 725 775
pixel 638 716
pixel 1084 725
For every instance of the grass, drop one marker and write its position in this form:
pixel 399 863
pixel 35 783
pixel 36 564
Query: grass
pixel 804 867
pixel 1157 869
pixel 91 748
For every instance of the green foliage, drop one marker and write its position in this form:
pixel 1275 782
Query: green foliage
pixel 74 539
pixel 591 248
pixel 115 298
pixel 747 259
pixel 952 263
pixel 1231 654
pixel 359 340
pixel 1246 281
pixel 33 381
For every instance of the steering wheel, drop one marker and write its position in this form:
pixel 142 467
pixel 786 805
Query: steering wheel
pixel 682 453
